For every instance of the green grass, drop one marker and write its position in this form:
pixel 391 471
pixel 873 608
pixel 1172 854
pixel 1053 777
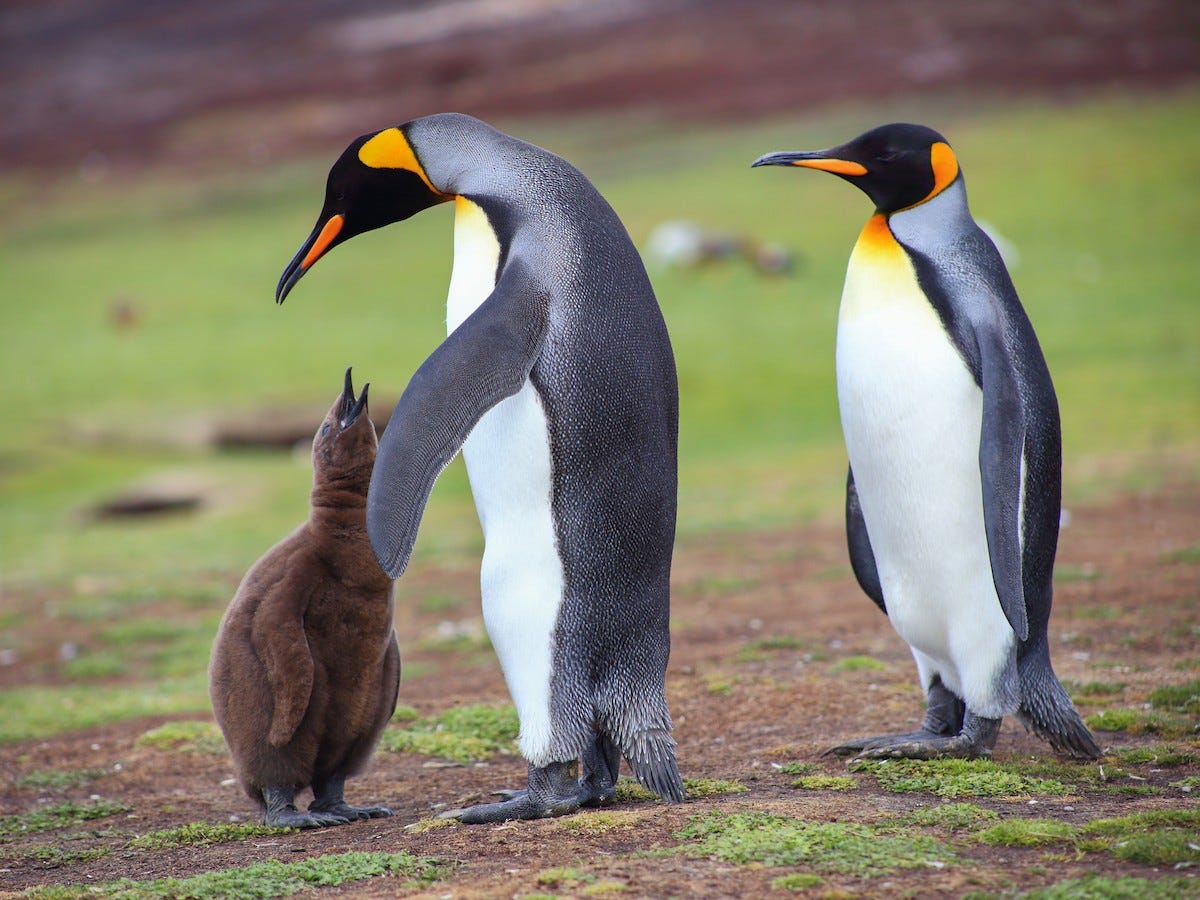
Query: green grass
pixel 1180 698
pixel 629 790
pixel 1017 832
pixel 825 847
pixel 1137 721
pixel 270 878
pixel 57 780
pixel 98 409
pixel 188 737
pixel 825 783
pixel 1100 887
pixel 463 734
pixel 202 833
pixel 60 815
pixel 954 816
pixel 952 778
pixel 858 664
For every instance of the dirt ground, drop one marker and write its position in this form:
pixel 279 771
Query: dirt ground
pixel 1126 610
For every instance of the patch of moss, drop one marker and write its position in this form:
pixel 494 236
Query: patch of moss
pixel 955 816
pixel 186 737
pixel 796 882
pixel 1018 832
pixel 825 783
pixel 718 684
pixel 600 888
pixel 1190 554
pixel 57 780
pixel 857 664
pixel 270 878
pixel 599 822
pixel 1187 785
pixel 1098 689
pixel 200 833
pixel 827 847
pixel 423 825
pixel 461 734
pixel 1180 698
pixel 61 815
pixel 957 778
pixel 1067 574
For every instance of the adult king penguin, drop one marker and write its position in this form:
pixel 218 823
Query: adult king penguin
pixel 558 383
pixel 952 429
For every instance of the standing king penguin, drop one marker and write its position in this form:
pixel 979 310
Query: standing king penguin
pixel 952 429
pixel 558 383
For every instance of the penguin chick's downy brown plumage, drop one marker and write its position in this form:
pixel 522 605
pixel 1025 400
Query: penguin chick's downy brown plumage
pixel 305 668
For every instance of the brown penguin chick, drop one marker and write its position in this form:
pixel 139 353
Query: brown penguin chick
pixel 305 668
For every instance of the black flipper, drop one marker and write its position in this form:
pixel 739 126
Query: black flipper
pixel 485 360
pixel 862 557
pixel 1001 449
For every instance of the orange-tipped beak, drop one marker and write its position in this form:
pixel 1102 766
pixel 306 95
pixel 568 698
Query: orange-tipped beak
pixel 324 239
pixel 836 166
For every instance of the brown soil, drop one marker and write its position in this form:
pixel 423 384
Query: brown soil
pixel 1126 612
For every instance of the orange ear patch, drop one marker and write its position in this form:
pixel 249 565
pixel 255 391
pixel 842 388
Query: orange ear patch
pixel 945 167
pixel 390 149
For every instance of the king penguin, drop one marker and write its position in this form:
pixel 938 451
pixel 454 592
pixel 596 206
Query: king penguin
pixel 952 428
pixel 557 381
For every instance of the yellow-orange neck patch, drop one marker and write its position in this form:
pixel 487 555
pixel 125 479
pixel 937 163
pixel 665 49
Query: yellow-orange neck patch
pixel 390 149
pixel 945 168
pixel 876 236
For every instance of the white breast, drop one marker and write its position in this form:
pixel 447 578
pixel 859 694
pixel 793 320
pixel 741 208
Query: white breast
pixel 911 416
pixel 509 466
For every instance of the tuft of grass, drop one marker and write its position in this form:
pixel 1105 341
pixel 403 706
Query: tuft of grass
pixel 53 856
pixel 1100 887
pixel 857 664
pixel 60 815
pixel 1187 785
pixel 795 882
pixel 828 847
pixel 184 737
pixel 1098 689
pixel 461 734
pixel 757 649
pixel 1161 837
pixel 1067 574
pixel 201 833
pixel 57 780
pixel 1189 554
pixel 1163 755
pixel 955 816
pixel 1180 698
pixel 270 878
pixel 1135 721
pixel 629 791
pixel 1018 832
pixel 712 787
pixel 564 877
pixel 825 783
pixel 957 778
pixel 799 768
pixel 423 825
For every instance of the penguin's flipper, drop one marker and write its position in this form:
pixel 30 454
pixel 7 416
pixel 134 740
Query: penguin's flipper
pixel 280 643
pixel 1001 459
pixel 862 557
pixel 486 359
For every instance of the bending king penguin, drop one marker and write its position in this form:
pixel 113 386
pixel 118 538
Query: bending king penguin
pixel 558 383
pixel 952 429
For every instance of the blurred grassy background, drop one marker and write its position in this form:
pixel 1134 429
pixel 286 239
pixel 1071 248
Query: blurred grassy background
pixel 1101 198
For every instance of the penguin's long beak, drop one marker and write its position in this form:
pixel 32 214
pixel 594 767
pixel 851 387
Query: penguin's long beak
pixel 825 160
pixel 350 407
pixel 322 238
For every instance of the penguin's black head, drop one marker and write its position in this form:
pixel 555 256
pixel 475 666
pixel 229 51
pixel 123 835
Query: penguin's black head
pixel 897 166
pixel 378 180
pixel 345 443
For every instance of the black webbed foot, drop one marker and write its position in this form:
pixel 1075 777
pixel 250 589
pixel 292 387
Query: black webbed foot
pixel 977 738
pixel 281 812
pixel 553 791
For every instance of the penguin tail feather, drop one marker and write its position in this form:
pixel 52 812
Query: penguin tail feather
pixel 652 759
pixel 1047 711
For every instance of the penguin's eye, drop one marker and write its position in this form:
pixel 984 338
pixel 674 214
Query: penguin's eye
pixel 887 156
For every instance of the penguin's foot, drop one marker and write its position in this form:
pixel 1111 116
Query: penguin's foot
pixel 977 738
pixel 601 765
pixel 350 813
pixel 553 791
pixel 281 812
